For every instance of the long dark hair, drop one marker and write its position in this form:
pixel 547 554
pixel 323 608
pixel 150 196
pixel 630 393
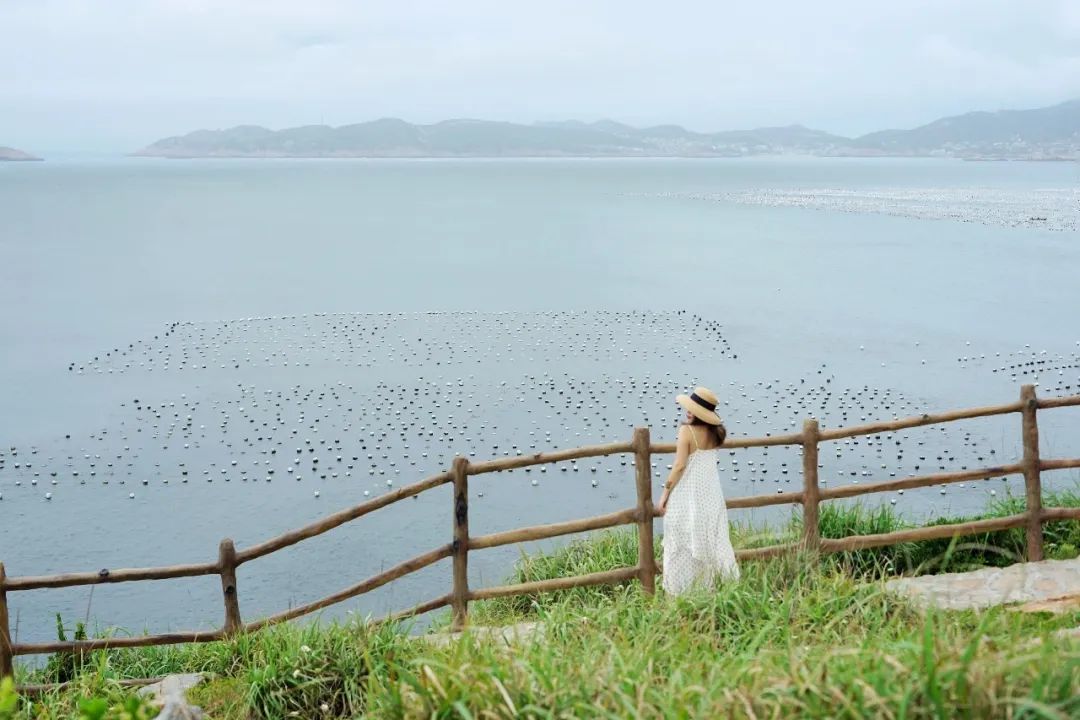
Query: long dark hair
pixel 720 430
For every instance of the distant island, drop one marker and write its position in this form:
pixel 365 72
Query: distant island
pixel 1050 133
pixel 13 155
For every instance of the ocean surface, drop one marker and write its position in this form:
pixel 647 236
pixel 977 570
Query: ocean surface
pixel 192 350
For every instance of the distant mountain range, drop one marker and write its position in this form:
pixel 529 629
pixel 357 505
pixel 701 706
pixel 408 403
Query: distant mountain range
pixel 1051 133
pixel 12 154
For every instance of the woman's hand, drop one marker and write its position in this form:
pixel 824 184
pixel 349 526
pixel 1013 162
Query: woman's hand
pixel 662 505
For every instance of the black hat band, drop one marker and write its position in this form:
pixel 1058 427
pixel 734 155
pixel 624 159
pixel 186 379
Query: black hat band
pixel 711 407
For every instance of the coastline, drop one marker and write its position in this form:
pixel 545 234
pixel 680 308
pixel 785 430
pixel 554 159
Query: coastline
pixel 574 156
pixel 10 154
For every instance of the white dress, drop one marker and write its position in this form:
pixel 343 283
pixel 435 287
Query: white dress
pixel 697 544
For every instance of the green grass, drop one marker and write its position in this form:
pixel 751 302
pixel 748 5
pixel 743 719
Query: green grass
pixel 996 549
pixel 619 549
pixel 795 637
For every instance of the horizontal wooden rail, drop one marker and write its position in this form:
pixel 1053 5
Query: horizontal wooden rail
pixel 41 688
pixel 765 552
pixel 513 463
pixel 606 577
pixel 339 518
pixel 1071 401
pixel 921 481
pixel 756 501
pixel 1056 513
pixel 375 581
pixel 1063 464
pixel 178 638
pixel 31 582
pixel 420 609
pixel 919 420
pixel 930 532
pixel 732 443
pixel 541 532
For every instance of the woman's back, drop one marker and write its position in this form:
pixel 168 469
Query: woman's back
pixel 696 541
pixel 697 545
pixel 704 438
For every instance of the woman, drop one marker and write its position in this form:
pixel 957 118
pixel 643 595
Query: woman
pixel 697 546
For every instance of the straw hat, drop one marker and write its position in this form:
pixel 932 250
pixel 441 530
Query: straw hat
pixel 701 404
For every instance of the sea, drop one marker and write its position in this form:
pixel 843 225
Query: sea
pixel 195 350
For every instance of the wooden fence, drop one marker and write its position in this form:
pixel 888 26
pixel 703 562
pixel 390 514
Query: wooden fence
pixel 642 514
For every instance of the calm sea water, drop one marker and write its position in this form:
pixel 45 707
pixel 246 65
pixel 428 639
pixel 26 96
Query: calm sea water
pixel 900 314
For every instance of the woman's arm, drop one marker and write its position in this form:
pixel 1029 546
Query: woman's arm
pixel 682 454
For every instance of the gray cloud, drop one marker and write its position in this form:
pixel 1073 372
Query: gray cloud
pixel 116 74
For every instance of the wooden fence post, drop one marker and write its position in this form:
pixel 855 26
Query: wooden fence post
pixel 7 659
pixel 459 595
pixel 227 566
pixel 811 490
pixel 643 477
pixel 1032 479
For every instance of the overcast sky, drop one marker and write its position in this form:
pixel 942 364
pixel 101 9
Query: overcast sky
pixel 114 75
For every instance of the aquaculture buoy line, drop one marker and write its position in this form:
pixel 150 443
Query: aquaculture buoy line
pixel 365 340
pixel 486 385
pixel 1045 208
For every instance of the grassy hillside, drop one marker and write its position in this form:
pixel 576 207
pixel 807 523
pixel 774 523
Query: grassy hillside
pixel 796 637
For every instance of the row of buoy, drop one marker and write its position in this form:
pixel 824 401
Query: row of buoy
pixel 370 430
pixel 577 398
pixel 373 340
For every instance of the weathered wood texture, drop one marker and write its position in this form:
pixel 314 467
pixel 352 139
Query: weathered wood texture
pixel 858 542
pixel 40 688
pixel 7 657
pixel 921 481
pixel 1060 514
pixel 1071 401
pixel 733 443
pixel 1062 464
pixel 227 563
pixel 756 501
pixel 513 463
pixel 918 421
pixel 606 577
pixel 340 518
pixel 1032 479
pixel 178 638
pixel 376 581
pixel 643 481
pixel 459 593
pixel 541 532
pixel 811 491
pixel 420 609
pixel 766 552
pixel 100 577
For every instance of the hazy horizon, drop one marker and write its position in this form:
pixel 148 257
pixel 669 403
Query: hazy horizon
pixel 99 78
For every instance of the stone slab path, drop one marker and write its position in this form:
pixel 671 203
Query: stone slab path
pixel 170 694
pixel 508 634
pixel 1054 584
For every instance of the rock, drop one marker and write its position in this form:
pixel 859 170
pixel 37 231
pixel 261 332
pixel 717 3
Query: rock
pixel 505 635
pixel 170 695
pixel 1032 582
pixel 179 710
pixel 1068 633
pixel 1056 606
